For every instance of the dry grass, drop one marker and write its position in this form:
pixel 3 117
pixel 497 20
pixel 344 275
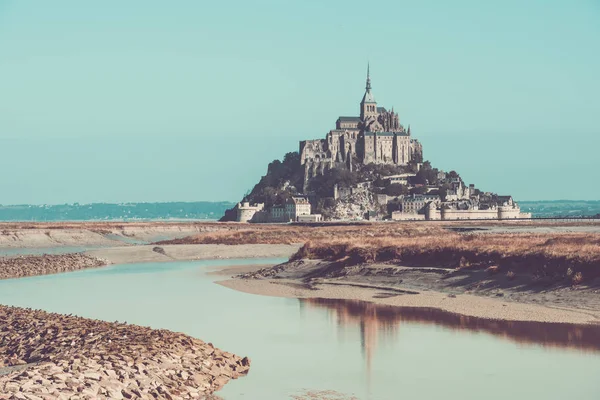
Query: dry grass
pixel 544 255
pixel 290 234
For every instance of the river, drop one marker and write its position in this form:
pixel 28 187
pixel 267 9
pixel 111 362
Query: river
pixel 330 349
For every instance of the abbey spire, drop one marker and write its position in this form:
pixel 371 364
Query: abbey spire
pixel 368 105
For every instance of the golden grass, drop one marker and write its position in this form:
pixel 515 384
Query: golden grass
pixel 425 244
pixel 289 234
pixel 572 255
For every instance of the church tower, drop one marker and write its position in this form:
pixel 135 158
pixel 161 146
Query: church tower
pixel 368 105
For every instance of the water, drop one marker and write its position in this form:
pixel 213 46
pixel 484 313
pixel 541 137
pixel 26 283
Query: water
pixel 561 208
pixel 205 210
pixel 200 210
pixel 356 349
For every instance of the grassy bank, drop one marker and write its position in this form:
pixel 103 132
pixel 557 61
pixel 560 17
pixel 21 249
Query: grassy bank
pixel 290 234
pixel 574 258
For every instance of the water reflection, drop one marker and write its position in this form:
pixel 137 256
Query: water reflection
pixel 381 321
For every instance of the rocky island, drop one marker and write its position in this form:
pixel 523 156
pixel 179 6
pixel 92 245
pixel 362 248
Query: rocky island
pixel 369 167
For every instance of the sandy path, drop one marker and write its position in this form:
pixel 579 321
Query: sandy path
pixel 180 252
pixel 464 304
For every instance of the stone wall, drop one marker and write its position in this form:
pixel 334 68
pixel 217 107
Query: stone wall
pixel 402 216
pixel 448 214
pixel 508 212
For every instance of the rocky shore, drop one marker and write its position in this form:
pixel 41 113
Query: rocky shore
pixel 53 356
pixel 21 266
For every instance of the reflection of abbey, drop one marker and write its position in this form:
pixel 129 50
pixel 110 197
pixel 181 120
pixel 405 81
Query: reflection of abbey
pixel 376 136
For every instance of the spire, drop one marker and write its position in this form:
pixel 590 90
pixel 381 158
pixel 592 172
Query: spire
pixel 368 97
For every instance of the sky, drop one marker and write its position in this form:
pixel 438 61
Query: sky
pixel 115 101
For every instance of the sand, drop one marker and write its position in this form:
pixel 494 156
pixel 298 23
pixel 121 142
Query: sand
pixel 147 253
pixel 464 304
pixel 95 234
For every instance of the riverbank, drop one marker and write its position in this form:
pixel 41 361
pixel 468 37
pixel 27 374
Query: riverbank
pixel 545 277
pixel 95 234
pixel 301 233
pixel 166 253
pixel 52 356
pixel 575 307
pixel 40 235
pixel 45 264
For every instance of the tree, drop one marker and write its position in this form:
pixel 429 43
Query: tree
pixel 427 175
pixel 444 190
pixel 453 175
pixel 396 189
pixel 323 185
pixel 418 190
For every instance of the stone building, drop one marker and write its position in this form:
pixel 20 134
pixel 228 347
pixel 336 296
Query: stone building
pixel 291 210
pixel 416 203
pixel 277 214
pixel 499 208
pixel 297 206
pixel 376 136
pixel 247 212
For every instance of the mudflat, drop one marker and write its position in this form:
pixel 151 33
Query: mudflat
pixel 463 293
pixel 516 270
pixel 166 253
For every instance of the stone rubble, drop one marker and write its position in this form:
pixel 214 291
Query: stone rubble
pixel 52 356
pixel 30 265
pixel 354 207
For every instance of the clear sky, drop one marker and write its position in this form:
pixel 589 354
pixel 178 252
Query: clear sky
pixel 189 100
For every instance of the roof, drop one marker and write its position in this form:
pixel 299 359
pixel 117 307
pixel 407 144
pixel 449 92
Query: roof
pixel 386 134
pixel 368 97
pixel 349 119
pixel 298 200
pixel 381 110
pixel 504 199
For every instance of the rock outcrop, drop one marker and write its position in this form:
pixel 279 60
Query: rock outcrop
pixel 17 267
pixel 53 356
pixel 354 207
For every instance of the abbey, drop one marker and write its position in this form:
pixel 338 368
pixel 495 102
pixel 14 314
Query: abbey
pixel 376 136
